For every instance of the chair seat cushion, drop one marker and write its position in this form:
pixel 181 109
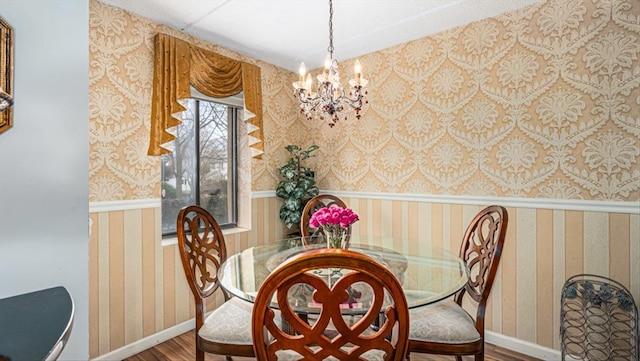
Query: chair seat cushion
pixel 443 322
pixel 229 323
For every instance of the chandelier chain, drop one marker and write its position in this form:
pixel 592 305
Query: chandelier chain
pixel 330 48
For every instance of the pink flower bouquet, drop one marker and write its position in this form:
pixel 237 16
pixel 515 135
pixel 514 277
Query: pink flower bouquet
pixel 334 221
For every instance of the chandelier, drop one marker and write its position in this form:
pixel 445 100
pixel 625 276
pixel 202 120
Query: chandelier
pixel 330 98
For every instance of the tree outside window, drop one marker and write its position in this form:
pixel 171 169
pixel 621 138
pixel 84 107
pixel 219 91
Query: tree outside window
pixel 202 168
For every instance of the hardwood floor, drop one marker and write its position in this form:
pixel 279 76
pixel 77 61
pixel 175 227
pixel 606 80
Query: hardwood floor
pixel 181 348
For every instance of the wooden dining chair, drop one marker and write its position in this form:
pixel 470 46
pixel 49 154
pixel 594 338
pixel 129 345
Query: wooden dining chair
pixel 445 327
pixel 227 329
pixel 332 334
pixel 316 235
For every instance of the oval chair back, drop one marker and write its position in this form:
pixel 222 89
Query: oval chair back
pixel 380 333
pixel 202 250
pixel 445 327
pixel 316 235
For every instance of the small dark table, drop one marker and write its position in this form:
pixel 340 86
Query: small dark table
pixel 35 326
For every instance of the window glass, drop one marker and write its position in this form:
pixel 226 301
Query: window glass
pixel 202 168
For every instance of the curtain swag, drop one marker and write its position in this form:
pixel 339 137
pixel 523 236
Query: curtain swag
pixel 177 65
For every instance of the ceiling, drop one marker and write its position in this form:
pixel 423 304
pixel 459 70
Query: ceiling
pixel 287 32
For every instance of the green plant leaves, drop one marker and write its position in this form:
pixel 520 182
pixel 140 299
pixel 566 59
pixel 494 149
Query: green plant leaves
pixel 291 148
pixel 292 203
pixel 305 183
pixel 305 153
pixel 290 170
pixel 298 186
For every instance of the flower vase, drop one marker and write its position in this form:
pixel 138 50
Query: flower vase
pixel 334 222
pixel 336 238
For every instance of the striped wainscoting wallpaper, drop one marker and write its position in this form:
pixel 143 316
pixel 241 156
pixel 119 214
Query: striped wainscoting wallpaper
pixel 137 286
pixel 542 249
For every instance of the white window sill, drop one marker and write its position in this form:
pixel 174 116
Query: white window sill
pixel 170 241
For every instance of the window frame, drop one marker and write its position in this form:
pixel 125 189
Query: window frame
pixel 233 115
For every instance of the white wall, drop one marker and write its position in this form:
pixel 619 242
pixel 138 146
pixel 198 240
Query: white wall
pixel 44 158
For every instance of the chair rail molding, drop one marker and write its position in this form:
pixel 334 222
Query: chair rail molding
pixel 538 203
pixel 124 205
pixel 544 203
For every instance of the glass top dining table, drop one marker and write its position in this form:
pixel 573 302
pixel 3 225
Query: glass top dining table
pixel 427 273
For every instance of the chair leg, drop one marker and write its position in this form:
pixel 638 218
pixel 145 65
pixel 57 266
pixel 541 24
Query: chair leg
pixel 199 354
pixel 458 358
pixel 480 356
pixel 228 358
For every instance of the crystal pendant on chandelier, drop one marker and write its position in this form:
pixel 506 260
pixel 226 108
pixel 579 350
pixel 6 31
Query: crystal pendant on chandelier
pixel 330 98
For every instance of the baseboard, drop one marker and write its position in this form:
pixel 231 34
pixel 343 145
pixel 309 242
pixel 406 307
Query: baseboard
pixel 510 343
pixel 520 346
pixel 147 342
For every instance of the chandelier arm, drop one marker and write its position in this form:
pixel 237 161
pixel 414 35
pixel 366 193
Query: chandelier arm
pixel 355 103
pixel 307 103
pixel 357 94
pixel 305 99
pixel 340 97
pixel 314 106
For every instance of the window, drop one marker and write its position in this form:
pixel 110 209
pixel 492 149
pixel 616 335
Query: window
pixel 202 169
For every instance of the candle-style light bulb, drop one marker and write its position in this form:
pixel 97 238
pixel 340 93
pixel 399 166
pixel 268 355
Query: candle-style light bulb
pixel 307 84
pixel 303 71
pixel 299 85
pixel 357 69
pixel 327 62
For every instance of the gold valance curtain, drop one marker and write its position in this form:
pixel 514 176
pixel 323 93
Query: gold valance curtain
pixel 177 65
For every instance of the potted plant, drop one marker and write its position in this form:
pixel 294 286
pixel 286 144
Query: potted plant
pixel 297 187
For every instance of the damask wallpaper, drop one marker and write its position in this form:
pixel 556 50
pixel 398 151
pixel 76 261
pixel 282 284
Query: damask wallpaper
pixel 121 71
pixel 542 102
